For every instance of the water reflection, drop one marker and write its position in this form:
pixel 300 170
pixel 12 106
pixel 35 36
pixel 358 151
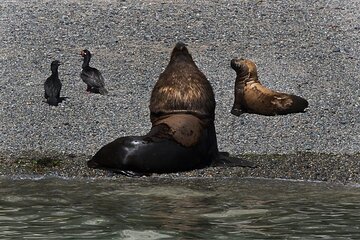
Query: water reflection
pixel 156 208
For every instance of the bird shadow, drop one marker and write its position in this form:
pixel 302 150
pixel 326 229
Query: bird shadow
pixel 61 99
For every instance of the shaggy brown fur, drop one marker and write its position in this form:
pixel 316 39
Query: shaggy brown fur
pixel 252 97
pixel 182 88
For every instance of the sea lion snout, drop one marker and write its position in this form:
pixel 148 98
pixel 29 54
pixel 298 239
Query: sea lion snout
pixel 233 63
pixel 238 64
pixel 180 50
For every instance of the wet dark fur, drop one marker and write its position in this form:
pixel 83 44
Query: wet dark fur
pixel 252 97
pixel 159 151
pixel 176 143
pixel 52 86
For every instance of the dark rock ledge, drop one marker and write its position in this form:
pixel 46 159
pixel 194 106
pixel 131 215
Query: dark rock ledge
pixel 304 166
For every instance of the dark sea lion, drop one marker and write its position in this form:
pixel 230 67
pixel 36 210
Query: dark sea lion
pixel 91 76
pixel 182 88
pixel 176 143
pixel 52 85
pixel 252 97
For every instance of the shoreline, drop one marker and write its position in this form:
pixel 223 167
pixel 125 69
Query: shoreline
pixel 304 166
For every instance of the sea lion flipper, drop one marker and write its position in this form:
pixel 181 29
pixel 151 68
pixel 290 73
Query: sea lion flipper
pixel 93 164
pixel 289 104
pixel 225 160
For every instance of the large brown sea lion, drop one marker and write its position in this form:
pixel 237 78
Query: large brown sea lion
pixel 183 88
pixel 182 137
pixel 252 97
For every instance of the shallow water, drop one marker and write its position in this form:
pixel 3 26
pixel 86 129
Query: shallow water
pixel 157 208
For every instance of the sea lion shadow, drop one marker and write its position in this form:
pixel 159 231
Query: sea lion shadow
pixel 224 159
pixel 93 90
pixel 61 99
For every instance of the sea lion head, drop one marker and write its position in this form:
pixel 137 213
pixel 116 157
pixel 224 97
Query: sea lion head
pixel 244 68
pixel 180 51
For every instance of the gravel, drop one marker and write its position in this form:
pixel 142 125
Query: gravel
pixel 308 48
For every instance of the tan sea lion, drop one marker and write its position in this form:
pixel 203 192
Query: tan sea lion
pixel 252 97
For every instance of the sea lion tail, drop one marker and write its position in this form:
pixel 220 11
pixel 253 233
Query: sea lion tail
pixel 103 91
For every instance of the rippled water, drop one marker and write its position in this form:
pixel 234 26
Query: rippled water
pixel 157 208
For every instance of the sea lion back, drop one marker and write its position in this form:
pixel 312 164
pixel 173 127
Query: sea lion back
pixel 182 88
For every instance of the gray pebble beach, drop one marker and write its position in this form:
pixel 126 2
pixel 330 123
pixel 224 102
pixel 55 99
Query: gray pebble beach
pixel 307 48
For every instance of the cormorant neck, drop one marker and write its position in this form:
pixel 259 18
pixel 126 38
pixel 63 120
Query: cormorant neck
pixel 86 61
pixel 54 71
